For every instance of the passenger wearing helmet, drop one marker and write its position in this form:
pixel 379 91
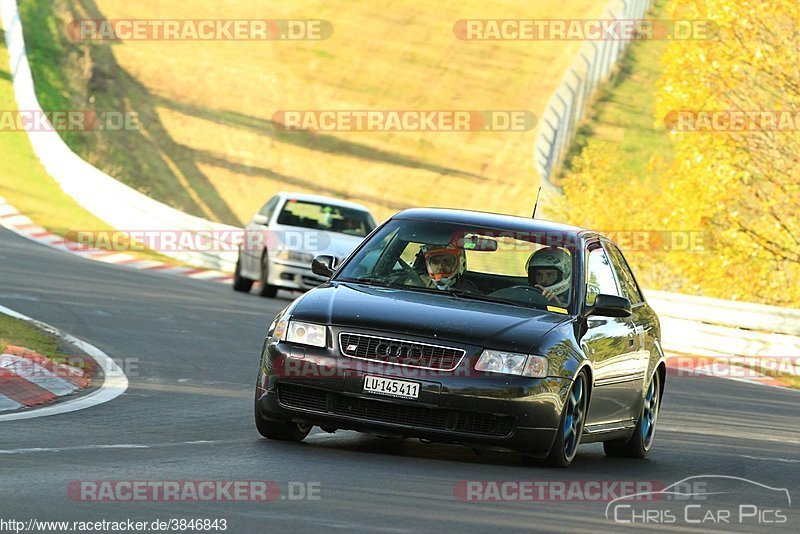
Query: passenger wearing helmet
pixel 549 270
pixel 445 267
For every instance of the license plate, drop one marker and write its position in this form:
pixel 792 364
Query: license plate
pixel 391 387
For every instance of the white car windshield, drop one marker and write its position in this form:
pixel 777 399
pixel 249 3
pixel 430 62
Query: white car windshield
pixel 331 218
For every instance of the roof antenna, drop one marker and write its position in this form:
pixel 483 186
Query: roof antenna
pixel 533 215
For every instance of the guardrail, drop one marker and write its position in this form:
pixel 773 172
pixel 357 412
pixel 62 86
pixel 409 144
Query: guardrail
pixel 745 315
pixel 714 327
pixel 110 200
pixel 568 105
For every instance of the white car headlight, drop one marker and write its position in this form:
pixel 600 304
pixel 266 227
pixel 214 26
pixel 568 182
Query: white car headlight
pixel 306 334
pixel 291 255
pixel 512 363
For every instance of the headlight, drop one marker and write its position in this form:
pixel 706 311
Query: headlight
pixel 292 255
pixel 512 363
pixel 306 334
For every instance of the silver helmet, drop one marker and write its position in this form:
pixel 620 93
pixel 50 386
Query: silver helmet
pixel 551 258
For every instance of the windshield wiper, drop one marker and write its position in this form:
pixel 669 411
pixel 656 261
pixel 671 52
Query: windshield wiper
pixel 476 296
pixel 460 293
pixel 368 280
pixel 488 298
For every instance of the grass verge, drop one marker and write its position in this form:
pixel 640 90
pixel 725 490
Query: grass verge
pixel 23 334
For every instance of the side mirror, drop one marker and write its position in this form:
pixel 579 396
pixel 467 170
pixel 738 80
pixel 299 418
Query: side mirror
pixel 323 265
pixel 260 219
pixel 609 306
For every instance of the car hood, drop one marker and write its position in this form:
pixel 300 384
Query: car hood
pixel 428 315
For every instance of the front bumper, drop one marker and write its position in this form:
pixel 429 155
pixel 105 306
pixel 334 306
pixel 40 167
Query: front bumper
pixel 325 389
pixel 292 275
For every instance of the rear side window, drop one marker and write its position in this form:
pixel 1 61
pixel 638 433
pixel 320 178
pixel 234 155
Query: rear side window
pixel 599 276
pixel 629 288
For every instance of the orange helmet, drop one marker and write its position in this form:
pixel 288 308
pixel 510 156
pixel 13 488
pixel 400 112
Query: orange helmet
pixel 445 264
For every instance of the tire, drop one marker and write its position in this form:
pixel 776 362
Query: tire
pixel 240 283
pixel 568 436
pixel 641 441
pixel 264 289
pixel 288 431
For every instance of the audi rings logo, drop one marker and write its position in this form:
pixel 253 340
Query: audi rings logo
pixel 398 353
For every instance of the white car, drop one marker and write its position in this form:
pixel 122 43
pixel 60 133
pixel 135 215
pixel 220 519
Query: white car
pixel 288 231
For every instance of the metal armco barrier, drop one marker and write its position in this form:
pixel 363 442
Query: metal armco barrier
pixel 568 105
pixel 714 327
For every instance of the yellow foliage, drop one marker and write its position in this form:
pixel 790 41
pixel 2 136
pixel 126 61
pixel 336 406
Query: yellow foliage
pixel 739 189
pixel 741 185
pixel 600 194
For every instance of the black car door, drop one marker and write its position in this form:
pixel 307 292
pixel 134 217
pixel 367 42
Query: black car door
pixel 642 316
pixel 610 344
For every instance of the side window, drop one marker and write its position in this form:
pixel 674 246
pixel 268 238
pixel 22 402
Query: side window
pixel 599 276
pixel 629 288
pixel 269 208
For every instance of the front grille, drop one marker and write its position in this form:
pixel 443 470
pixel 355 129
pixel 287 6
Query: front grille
pixel 391 413
pixel 317 400
pixel 400 352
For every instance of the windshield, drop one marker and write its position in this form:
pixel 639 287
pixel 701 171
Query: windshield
pixel 520 268
pixel 331 218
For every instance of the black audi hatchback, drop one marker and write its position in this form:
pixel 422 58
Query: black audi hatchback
pixel 474 328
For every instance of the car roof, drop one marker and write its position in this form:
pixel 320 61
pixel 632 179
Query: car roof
pixel 323 200
pixel 493 220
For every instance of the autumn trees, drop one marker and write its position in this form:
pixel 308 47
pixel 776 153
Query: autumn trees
pixel 737 183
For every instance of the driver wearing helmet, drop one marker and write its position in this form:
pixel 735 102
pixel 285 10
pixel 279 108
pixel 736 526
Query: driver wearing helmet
pixel 549 270
pixel 445 266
